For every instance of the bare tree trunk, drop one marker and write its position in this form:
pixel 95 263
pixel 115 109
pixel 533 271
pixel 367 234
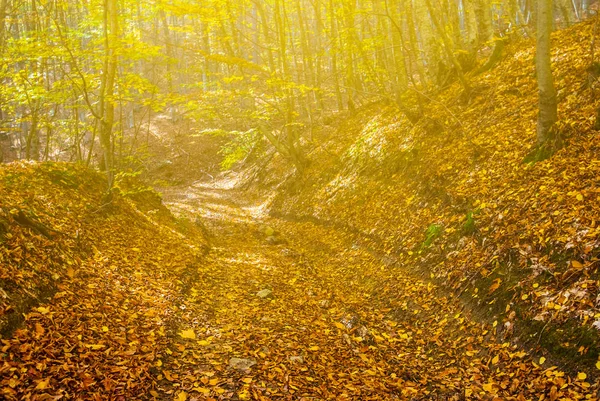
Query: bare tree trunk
pixel 547 102
pixel 33 139
pixel 3 8
pixel 334 39
pixel 168 48
pixel 107 107
pixel 447 47
pixel 482 12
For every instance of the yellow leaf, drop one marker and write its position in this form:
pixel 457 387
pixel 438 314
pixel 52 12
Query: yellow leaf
pixel 488 387
pixel 370 372
pixel 203 342
pixel 153 393
pixel 576 264
pixel 579 197
pixel 598 365
pixel 43 310
pixel 39 329
pixel 202 390
pixel 43 384
pixel 213 382
pixel 105 329
pixel 168 375
pixel 581 376
pixel 542 360
pixel 188 334
pixel 495 285
pixel 495 360
pixel 524 297
pixel 181 396
pixel 247 380
pixel 340 326
pixel 314 348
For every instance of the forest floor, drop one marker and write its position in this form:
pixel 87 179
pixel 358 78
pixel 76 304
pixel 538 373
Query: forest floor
pixel 116 299
pixel 296 311
pixel 276 310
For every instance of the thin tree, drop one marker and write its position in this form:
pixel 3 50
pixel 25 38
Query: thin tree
pixel 107 89
pixel 548 115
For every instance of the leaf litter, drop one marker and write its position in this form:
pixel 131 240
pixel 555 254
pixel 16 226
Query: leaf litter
pixel 142 314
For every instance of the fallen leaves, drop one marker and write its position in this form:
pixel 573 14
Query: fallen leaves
pixel 383 333
pixel 103 317
pixel 189 334
pixel 42 384
pixel 340 326
pixel 516 234
pixel 344 324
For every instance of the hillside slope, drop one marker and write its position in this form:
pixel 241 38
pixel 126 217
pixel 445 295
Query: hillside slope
pixel 452 198
pixel 94 280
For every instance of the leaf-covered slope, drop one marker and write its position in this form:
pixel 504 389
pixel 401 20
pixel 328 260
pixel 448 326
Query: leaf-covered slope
pixel 95 279
pixel 452 197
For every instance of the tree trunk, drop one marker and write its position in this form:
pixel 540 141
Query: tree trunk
pixel 334 48
pixel 482 12
pixel 547 93
pixel 107 107
pixel 168 48
pixel 448 48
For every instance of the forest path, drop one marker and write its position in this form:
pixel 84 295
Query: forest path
pixel 315 316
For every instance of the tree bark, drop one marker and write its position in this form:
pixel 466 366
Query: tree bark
pixel 447 47
pixel 548 114
pixel 107 106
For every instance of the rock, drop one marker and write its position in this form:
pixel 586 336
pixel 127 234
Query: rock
pixel 296 359
pixel 288 252
pixel 266 293
pixel 349 321
pixel 389 261
pixel 363 332
pixel 241 364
